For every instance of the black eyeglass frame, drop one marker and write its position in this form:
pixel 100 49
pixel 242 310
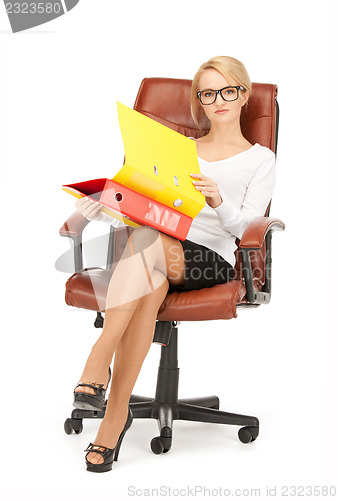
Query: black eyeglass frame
pixel 237 87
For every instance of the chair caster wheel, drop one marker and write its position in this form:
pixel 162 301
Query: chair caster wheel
pixel 216 405
pixel 73 424
pixel 98 323
pixel 160 445
pixel 248 434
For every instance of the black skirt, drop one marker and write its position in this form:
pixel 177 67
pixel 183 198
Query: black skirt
pixel 203 268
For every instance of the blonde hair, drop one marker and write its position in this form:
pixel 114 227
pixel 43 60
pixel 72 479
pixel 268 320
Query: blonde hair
pixel 233 71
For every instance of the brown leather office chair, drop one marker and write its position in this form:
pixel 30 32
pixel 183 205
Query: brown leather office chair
pixel 168 102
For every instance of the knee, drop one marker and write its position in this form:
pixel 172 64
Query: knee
pixel 159 280
pixel 143 237
pixel 157 288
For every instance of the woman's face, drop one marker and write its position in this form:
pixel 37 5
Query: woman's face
pixel 220 111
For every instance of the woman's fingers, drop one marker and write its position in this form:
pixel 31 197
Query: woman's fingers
pixel 206 185
pixel 92 212
pixel 87 207
pixel 209 188
pixel 84 202
pixel 202 181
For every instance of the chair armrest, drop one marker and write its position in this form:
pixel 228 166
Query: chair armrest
pixel 254 235
pixel 74 225
pixel 73 229
pixel 257 231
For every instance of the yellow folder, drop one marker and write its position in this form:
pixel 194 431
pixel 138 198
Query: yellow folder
pixel 158 162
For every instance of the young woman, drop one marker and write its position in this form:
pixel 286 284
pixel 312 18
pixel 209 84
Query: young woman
pixel 237 179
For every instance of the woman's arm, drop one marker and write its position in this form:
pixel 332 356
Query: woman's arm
pixel 92 211
pixel 257 198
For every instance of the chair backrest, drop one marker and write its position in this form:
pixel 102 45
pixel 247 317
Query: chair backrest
pixel 167 100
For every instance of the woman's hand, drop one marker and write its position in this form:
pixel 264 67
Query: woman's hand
pixel 208 188
pixel 88 208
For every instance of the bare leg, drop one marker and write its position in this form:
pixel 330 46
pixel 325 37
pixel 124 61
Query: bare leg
pixel 129 324
pixel 129 356
pixel 146 250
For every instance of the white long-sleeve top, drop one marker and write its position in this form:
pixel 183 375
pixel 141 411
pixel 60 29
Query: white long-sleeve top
pixel 246 182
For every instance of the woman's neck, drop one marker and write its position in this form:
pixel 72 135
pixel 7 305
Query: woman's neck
pixel 226 133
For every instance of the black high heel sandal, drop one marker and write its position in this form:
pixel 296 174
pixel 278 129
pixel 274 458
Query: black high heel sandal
pixel 86 401
pixel 110 455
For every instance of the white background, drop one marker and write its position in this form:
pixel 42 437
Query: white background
pixel 60 84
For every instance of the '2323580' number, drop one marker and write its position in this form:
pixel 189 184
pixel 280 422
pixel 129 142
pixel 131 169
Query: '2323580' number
pixel 33 8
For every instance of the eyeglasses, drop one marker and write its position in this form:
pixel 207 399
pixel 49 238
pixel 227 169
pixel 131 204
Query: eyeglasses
pixel 227 93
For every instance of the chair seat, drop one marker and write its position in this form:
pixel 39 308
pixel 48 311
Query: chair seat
pixel 88 290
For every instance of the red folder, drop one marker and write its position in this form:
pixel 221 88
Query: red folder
pixel 135 206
